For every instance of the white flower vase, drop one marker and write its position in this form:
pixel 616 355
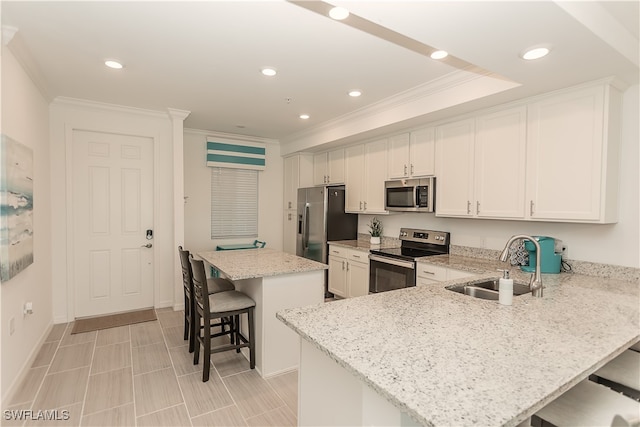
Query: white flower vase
pixel 375 240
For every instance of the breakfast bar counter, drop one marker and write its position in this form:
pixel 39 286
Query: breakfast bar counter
pixel 429 356
pixel 276 281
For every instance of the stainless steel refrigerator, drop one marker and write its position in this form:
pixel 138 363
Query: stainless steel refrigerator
pixel 321 219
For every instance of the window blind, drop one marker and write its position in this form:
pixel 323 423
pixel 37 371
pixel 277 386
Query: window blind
pixel 234 203
pixel 242 155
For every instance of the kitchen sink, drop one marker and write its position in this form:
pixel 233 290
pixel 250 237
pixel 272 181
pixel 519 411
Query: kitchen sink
pixel 487 289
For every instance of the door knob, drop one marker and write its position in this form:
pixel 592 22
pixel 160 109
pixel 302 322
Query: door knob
pixel 148 245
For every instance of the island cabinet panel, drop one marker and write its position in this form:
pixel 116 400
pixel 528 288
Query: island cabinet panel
pixel 338 276
pixel 328 168
pixel 345 399
pixel 365 174
pixel 572 156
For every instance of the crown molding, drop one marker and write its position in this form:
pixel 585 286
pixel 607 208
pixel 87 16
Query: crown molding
pixel 230 136
pixel 12 39
pixel 102 106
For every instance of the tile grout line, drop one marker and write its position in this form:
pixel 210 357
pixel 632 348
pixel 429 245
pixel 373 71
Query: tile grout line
pixel 133 377
pixel 86 387
pixel 44 377
pixel 175 373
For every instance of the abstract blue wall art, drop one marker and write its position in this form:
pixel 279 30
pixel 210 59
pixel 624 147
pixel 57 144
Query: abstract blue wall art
pixel 16 207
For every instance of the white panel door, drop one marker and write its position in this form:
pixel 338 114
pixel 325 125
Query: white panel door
pixel 112 210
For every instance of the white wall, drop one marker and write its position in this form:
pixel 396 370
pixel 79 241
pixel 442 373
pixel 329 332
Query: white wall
pixel 25 118
pixel 197 189
pixel 616 244
pixel 67 115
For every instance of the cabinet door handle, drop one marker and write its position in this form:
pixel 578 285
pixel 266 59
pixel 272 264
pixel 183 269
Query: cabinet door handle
pixel 289 205
pixel 531 208
pixel 477 207
pixel 347 265
pixel 365 206
pixel 328 179
pixel 412 169
pixel 360 205
pixel 405 169
pixel 468 207
pixel 342 265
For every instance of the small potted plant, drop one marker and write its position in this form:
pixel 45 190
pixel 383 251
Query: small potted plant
pixel 375 229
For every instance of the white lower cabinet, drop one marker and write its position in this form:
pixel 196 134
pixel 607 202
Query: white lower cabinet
pixel 348 272
pixel 428 274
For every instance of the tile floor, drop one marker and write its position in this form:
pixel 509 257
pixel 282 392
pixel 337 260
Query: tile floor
pixel 143 375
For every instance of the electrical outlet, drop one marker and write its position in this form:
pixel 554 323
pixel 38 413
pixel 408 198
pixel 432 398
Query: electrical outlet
pixel 12 325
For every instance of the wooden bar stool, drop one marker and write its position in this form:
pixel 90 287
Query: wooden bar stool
pixel 592 404
pixel 214 285
pixel 230 304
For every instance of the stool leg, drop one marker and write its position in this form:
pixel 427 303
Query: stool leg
pixel 186 317
pixel 207 350
pixel 237 332
pixel 252 344
pixel 196 339
pixel 194 327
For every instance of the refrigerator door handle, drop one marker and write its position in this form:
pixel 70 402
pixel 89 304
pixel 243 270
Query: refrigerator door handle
pixel 305 236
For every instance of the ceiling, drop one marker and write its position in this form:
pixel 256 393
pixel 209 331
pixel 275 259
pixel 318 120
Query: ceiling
pixel 205 56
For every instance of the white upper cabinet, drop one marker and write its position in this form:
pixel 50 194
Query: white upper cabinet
pixel 572 156
pixel 365 174
pixel 328 168
pixel 500 155
pixel 454 168
pixel 480 166
pixel 297 174
pixel 412 155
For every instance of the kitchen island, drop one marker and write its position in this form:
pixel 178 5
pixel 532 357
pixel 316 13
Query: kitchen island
pixel 276 281
pixel 429 356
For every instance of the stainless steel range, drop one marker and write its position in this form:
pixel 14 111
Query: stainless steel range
pixel 396 268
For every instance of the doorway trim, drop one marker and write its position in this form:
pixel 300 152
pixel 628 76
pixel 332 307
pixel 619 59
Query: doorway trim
pixel 68 142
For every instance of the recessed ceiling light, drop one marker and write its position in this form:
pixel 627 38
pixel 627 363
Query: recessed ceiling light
pixel 439 54
pixel 304 116
pixel 535 53
pixel 338 13
pixel 355 93
pixel 269 71
pixel 113 64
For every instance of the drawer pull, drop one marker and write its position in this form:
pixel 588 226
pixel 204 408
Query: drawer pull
pixel 428 272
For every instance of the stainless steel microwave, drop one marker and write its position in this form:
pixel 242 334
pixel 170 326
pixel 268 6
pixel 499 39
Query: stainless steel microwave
pixel 410 195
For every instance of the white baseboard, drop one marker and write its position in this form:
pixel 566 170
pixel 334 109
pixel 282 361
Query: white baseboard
pixel 17 382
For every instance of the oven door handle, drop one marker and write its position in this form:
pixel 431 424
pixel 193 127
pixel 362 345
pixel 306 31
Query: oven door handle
pixel 397 262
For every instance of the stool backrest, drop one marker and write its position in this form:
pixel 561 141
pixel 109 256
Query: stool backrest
pixel 200 287
pixel 187 274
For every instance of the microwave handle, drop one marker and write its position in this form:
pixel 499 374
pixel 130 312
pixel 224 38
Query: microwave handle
pixel 417 193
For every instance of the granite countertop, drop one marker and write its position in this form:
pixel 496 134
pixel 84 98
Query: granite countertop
pixel 449 359
pixel 365 245
pixel 252 263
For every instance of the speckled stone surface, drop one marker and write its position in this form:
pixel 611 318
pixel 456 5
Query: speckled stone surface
pixel 252 263
pixel 364 244
pixel 448 359
pixel 580 267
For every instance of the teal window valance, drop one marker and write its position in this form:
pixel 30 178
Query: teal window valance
pixel 236 155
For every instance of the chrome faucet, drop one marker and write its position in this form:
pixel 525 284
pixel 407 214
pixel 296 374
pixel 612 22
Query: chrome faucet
pixel 535 284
